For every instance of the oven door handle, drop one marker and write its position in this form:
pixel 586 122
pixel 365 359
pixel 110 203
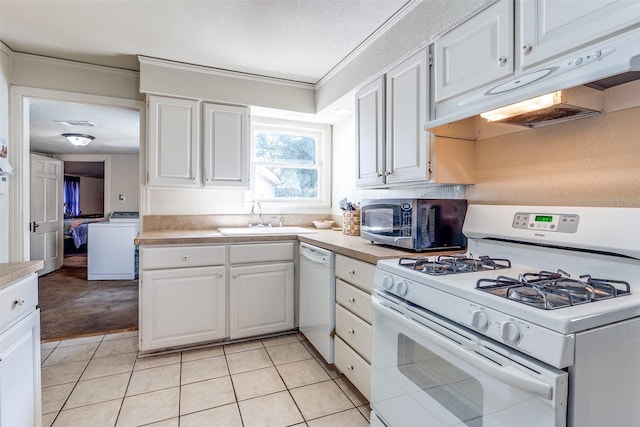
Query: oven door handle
pixel 506 374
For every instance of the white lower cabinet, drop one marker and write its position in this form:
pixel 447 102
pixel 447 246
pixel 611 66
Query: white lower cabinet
pixel 260 299
pixel 354 281
pixel 20 396
pixel 185 306
pixel 192 294
pixel 182 295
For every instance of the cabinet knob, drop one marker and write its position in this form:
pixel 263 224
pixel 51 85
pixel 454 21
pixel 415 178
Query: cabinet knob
pixel 351 331
pixel 193 179
pixel 352 299
pixel 526 49
pixel 235 276
pixel 379 175
pixel 352 272
pixel 221 275
pixel 19 301
pixel 387 173
pixel 502 60
pixel 350 367
pixel 185 257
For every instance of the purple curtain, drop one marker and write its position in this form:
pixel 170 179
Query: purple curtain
pixel 71 195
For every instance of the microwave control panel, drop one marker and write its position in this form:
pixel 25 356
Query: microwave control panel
pixel 561 223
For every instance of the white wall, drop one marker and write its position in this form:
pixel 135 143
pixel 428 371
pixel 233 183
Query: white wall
pixel 5 78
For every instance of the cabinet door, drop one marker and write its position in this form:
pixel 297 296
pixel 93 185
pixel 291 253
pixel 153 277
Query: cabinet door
pixel 182 306
pixel 552 27
pixel 476 52
pixel 20 398
pixel 370 125
pixel 407 90
pixel 260 299
pixel 174 149
pixel 226 145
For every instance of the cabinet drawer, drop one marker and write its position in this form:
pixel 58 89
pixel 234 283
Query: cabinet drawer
pixel 356 272
pixel 180 256
pixel 354 331
pixel 354 300
pixel 18 299
pixel 354 367
pixel 260 252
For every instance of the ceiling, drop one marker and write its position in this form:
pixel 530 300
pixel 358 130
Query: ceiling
pixel 299 40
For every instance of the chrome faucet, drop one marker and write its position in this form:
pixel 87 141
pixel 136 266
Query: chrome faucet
pixel 259 224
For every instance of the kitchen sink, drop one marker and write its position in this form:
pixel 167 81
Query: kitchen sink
pixel 264 231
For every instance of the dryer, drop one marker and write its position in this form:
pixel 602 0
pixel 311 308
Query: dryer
pixel 111 252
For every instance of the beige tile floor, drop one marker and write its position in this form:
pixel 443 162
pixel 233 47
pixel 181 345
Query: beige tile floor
pixel 281 381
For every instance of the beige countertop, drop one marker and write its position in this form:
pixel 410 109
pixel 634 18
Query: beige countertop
pixel 12 271
pixel 336 241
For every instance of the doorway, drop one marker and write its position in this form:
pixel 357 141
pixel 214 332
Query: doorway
pixel 84 312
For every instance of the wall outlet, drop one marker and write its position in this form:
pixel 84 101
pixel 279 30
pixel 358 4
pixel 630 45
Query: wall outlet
pixel 122 198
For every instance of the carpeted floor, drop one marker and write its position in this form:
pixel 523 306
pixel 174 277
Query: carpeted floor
pixel 71 306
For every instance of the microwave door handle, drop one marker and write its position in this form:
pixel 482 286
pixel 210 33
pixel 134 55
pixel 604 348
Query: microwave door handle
pixel 403 242
pixel 505 374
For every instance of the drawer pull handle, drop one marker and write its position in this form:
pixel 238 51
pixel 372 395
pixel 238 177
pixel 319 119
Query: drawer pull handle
pixel 19 301
pixel 185 257
pixel 350 367
pixel 351 331
pixel 352 299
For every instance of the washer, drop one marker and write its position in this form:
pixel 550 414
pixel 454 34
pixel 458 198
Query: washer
pixel 111 252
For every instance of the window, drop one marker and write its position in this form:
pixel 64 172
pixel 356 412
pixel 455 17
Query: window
pixel 291 162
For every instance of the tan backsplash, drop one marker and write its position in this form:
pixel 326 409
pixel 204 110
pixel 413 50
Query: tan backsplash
pixel 588 162
pixel 208 222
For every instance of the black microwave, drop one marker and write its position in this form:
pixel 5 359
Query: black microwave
pixel 416 224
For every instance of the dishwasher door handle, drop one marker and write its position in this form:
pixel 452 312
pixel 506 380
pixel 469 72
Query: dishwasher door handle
pixel 313 256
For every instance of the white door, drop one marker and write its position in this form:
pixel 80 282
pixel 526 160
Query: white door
pixel 46 212
pixel 370 133
pixel 407 145
pixel 552 27
pixel 260 299
pixel 475 53
pixel 226 145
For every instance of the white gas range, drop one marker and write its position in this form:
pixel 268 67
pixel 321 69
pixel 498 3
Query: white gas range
pixel 526 335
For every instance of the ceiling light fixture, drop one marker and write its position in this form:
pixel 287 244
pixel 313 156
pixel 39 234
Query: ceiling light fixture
pixel 79 139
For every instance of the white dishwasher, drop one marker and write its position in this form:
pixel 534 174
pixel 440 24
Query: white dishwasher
pixel 317 298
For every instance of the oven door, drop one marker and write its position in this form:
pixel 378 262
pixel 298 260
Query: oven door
pixel 429 371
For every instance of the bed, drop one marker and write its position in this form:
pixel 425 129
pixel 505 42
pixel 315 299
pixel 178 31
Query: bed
pixel 76 230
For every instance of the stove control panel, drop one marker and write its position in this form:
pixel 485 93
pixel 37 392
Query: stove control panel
pixel 561 223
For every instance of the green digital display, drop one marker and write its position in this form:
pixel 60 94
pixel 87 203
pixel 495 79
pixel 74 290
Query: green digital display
pixel 544 218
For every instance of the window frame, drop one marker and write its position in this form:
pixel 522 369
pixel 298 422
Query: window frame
pixel 323 152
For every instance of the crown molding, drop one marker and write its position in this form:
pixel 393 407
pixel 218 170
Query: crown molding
pixel 222 72
pixel 85 65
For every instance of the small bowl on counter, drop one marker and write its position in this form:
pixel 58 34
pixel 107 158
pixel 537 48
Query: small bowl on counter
pixel 323 224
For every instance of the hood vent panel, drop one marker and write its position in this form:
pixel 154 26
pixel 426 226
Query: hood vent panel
pixel 555 114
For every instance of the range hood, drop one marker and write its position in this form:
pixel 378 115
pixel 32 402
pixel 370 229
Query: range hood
pixel 591 69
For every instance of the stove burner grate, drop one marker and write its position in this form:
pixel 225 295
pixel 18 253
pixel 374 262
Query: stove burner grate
pixel 549 291
pixel 454 264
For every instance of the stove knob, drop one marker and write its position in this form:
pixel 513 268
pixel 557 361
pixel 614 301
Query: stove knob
pixel 402 288
pixel 387 282
pixel 479 319
pixel 509 332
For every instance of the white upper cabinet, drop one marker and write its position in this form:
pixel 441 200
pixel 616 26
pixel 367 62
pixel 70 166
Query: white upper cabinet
pixel 176 145
pixel 407 94
pixel 174 148
pixel 476 52
pixel 370 124
pixel 548 28
pixel 225 145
